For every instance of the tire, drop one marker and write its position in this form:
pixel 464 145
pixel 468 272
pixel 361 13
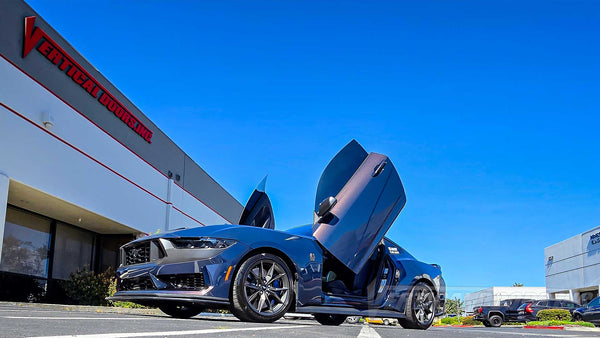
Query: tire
pixel 486 323
pixel 386 322
pixel 577 317
pixel 495 321
pixel 262 289
pixel 180 310
pixel 329 319
pixel 353 319
pixel 420 308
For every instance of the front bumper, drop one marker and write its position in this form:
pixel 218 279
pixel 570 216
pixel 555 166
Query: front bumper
pixel 169 274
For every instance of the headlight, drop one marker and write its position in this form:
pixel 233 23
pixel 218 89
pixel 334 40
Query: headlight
pixel 202 243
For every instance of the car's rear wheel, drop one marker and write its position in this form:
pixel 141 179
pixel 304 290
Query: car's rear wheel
pixel 495 321
pixel 180 310
pixel 329 319
pixel 420 308
pixel 262 289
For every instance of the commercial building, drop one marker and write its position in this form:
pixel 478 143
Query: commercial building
pixel 494 295
pixel 82 169
pixel 573 267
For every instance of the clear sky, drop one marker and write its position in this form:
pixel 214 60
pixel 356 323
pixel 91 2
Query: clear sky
pixel 489 110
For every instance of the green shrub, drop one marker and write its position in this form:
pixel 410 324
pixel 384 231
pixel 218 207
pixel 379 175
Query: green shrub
pixel 559 323
pixel 450 321
pixel 88 288
pixel 469 321
pixel 554 314
pixel 112 289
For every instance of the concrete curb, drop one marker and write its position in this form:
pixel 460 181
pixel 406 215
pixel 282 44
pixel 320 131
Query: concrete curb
pixel 582 328
pixel 544 327
pixel 84 308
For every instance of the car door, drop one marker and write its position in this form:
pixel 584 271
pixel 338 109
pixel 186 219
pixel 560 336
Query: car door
pixel 592 313
pixel 362 207
pixel 258 211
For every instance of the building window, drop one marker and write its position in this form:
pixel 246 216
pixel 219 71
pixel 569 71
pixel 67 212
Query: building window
pixel 110 250
pixel 73 250
pixel 26 243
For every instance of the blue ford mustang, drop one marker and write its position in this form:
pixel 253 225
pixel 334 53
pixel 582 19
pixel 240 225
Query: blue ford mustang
pixel 339 266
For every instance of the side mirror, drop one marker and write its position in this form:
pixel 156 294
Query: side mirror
pixel 326 205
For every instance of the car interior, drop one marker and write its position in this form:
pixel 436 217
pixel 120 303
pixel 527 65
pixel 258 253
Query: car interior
pixel 339 280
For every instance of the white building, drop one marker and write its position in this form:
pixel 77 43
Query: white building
pixel 82 169
pixel 573 267
pixel 494 295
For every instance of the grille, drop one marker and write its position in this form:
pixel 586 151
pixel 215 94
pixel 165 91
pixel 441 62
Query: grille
pixel 140 283
pixel 185 281
pixel 138 253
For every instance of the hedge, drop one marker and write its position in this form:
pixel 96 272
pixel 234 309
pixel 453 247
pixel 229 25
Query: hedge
pixel 450 321
pixel 554 314
pixel 469 321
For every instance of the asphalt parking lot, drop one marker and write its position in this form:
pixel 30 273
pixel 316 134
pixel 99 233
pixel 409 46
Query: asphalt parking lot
pixel 31 321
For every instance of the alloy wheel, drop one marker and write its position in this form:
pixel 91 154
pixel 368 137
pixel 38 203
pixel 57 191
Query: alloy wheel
pixel 423 305
pixel 266 287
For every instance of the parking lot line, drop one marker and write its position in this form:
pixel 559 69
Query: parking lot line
pixel 82 318
pixel 368 332
pixel 175 333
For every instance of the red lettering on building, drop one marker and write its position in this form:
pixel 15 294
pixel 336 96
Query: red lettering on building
pixel 55 54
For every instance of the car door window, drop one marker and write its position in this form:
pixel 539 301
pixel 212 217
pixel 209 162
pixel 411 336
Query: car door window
pixel 569 305
pixel 554 303
pixel 542 303
pixel 594 303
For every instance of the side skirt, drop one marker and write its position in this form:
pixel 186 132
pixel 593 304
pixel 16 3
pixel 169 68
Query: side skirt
pixel 350 311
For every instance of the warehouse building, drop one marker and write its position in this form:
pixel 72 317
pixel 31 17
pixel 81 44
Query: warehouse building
pixel 494 295
pixel 82 170
pixel 573 267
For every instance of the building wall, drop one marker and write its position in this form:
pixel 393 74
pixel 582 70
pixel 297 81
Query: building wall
pixel 573 265
pixel 77 162
pixel 161 155
pixel 494 295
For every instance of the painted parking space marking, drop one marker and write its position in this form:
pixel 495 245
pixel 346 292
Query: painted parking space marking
pixel 368 332
pixel 176 333
pixel 83 318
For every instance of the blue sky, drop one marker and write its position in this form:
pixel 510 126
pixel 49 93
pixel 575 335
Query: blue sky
pixel 487 109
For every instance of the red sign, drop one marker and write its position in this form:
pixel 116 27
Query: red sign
pixel 36 37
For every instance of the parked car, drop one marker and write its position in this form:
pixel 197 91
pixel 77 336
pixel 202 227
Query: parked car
pixel 528 312
pixel 589 313
pixel 382 321
pixel 494 316
pixel 339 266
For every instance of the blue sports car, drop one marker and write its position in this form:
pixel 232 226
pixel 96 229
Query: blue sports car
pixel 339 266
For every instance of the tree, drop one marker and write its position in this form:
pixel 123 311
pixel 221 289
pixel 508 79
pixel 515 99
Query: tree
pixel 518 285
pixel 454 306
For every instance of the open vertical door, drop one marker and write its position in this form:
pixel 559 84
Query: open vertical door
pixel 258 211
pixel 361 196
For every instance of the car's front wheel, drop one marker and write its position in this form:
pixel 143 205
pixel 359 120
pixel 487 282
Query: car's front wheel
pixel 420 308
pixel 180 310
pixel 329 319
pixel 577 317
pixel 262 289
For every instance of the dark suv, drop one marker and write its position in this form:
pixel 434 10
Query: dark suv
pixel 528 312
